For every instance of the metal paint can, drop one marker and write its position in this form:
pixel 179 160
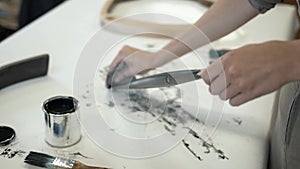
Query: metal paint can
pixel 62 127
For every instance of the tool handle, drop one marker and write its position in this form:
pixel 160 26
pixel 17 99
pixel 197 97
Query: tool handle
pixel 215 54
pixel 79 165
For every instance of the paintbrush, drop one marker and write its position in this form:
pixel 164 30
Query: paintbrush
pixel 48 161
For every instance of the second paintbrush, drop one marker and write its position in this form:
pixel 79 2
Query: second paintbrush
pixel 48 161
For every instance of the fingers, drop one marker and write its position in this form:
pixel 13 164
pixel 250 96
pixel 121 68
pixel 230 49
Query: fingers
pixel 120 56
pixel 242 98
pixel 111 76
pixel 226 79
pixel 239 99
pixel 209 74
pixel 230 92
pixel 125 66
pixel 118 67
pixel 123 73
pixel 124 52
pixel 218 84
pixel 222 81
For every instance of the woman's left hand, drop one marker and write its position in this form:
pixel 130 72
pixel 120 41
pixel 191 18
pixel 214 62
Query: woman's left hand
pixel 253 70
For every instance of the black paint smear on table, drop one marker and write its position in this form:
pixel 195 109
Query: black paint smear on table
pixel 172 131
pixel 237 121
pixel 170 113
pixel 81 155
pixel 209 146
pixel 187 145
pixel 173 111
pixel 9 153
pixel 111 104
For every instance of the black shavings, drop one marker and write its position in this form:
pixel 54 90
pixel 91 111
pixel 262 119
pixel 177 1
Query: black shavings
pixel 87 95
pixel 84 96
pixel 172 131
pixel 111 104
pixel 208 145
pixel 237 121
pixel 135 109
pixel 173 124
pixel 170 109
pixel 140 102
pixel 81 155
pixel 141 99
pixel 172 117
pixel 222 155
pixel 188 147
pixel 170 113
pixel 9 153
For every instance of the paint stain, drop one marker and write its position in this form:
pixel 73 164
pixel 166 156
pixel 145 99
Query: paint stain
pixel 192 151
pixel 172 131
pixel 111 104
pixel 81 155
pixel 237 121
pixel 205 145
pixel 9 153
pixel 170 114
pixel 209 146
pixel 169 122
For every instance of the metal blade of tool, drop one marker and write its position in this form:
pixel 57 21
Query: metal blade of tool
pixel 166 79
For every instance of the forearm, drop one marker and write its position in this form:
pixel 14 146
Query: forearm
pixel 222 18
pixel 294 66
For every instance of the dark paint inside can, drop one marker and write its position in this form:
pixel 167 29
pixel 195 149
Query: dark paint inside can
pixel 60 105
pixel 7 135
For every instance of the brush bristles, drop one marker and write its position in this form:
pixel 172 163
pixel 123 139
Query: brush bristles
pixel 39 159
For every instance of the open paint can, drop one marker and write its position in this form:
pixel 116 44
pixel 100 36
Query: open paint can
pixel 62 121
pixel 7 135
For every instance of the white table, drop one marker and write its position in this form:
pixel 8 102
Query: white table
pixel 64 31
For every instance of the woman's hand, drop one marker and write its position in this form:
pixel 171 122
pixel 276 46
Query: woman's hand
pixel 129 62
pixel 252 71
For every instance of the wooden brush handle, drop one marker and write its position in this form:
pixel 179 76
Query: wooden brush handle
pixel 79 165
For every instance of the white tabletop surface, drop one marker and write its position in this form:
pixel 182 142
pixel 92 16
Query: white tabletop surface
pixel 63 33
